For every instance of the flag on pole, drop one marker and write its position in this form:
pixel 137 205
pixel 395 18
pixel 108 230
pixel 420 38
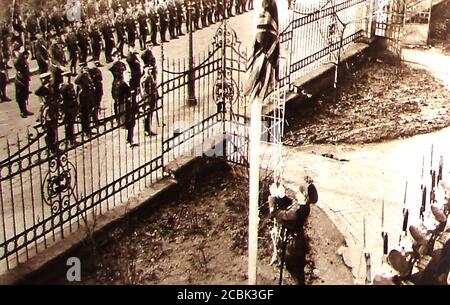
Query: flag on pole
pixel 264 62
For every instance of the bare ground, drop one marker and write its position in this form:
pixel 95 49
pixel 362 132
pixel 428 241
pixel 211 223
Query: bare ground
pixel 378 102
pixel 202 239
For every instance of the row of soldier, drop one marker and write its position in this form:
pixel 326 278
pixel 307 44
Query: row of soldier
pixel 49 35
pixel 81 100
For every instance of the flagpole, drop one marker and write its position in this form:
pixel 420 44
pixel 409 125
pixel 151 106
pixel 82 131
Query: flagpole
pixel 255 161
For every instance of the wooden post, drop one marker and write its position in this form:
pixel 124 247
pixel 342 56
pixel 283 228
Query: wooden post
pixel 253 217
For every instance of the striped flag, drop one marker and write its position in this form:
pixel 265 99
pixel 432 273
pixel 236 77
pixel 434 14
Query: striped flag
pixel 263 67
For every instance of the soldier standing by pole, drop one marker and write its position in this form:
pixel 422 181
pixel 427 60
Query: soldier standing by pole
pixel 293 219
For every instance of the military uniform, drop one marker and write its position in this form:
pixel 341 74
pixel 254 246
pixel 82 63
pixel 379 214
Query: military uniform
pixel 172 12
pixel 189 15
pixel 56 78
pixel 42 55
pixel 163 21
pixel 218 12
pixel 151 96
pixel 49 112
pixel 97 79
pixel 154 23
pixel 150 61
pixel 117 70
pixel 72 47
pixel 57 23
pixel 57 53
pixel 86 99
pixel 143 30
pixel 230 4
pixel 83 43
pixel 69 109
pixel 211 11
pixel 131 111
pixel 108 37
pixel 120 31
pixel 180 17
pixel 292 217
pixel 96 41
pixel 22 83
pixel 131 30
pixel 32 28
pixel 18 28
pixel 196 14
pixel 135 82
pixel 204 12
pixel 43 24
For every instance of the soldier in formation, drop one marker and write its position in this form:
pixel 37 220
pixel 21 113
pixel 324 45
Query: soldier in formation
pixel 49 110
pixel 119 90
pixel 22 80
pixel 86 99
pixel 69 108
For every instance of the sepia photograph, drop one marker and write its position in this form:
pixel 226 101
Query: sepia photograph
pixel 224 143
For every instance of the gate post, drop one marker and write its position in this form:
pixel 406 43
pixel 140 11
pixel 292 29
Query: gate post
pixel 162 107
pixel 192 100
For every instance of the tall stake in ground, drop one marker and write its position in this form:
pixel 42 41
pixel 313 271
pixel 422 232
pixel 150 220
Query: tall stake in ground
pixel 255 162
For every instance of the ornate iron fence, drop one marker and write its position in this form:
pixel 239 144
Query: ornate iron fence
pixel 313 31
pixel 46 195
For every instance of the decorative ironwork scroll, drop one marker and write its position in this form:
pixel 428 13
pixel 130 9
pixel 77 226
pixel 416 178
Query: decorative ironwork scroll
pixel 226 89
pixel 59 183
